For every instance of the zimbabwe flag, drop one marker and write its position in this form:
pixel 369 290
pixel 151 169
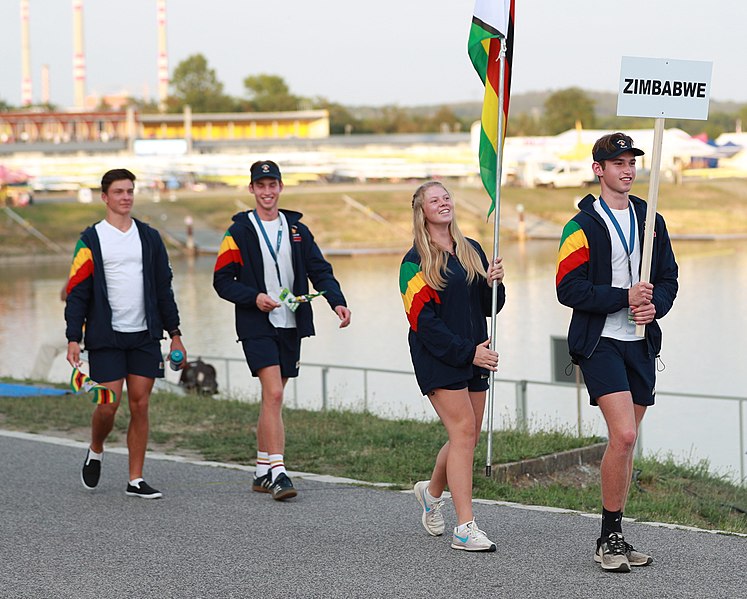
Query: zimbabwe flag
pixel 81 382
pixel 493 20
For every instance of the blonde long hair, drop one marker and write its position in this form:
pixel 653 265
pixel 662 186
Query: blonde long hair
pixel 433 259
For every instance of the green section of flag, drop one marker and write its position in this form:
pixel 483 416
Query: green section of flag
pixel 492 22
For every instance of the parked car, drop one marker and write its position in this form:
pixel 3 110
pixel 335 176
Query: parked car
pixel 564 174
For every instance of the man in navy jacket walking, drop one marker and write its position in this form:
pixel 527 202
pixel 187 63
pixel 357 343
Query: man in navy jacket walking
pixel 120 289
pixel 264 265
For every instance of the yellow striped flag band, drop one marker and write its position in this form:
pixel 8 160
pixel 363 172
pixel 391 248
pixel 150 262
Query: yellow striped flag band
pixel 81 382
pixel 493 20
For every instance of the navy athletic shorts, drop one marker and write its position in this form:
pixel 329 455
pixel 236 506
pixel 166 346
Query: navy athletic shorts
pixel 479 382
pixel 134 353
pixel 620 366
pixel 282 350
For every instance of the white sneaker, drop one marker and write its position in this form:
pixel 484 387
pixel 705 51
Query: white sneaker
pixel 433 519
pixel 471 539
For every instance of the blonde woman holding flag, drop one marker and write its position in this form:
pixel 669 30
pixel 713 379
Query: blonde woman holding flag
pixel 445 281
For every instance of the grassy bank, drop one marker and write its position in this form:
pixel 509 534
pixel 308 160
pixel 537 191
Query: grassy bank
pixel 703 207
pixel 400 452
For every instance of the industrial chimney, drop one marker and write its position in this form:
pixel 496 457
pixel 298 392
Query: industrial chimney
pixel 163 57
pixel 79 58
pixel 45 94
pixel 26 95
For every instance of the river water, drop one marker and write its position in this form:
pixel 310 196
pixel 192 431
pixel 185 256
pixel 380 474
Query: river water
pixel 704 336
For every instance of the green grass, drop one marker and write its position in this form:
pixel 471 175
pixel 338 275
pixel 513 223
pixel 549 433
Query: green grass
pixel 399 452
pixel 664 491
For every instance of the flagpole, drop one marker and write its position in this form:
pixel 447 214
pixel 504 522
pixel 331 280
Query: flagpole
pixel 496 236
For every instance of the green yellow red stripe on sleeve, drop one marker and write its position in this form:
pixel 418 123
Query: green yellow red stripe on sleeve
pixel 415 292
pixel 228 253
pixel 574 251
pixel 82 266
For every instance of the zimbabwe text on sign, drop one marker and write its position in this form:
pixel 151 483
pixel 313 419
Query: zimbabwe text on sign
pixel 661 87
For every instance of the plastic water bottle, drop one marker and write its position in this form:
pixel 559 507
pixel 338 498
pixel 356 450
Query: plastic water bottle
pixel 176 358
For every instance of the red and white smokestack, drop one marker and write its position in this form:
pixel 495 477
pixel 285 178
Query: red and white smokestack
pixel 26 94
pixel 45 95
pixel 163 57
pixel 79 58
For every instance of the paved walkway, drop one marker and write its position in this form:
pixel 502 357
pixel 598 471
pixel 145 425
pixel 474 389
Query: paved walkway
pixel 211 537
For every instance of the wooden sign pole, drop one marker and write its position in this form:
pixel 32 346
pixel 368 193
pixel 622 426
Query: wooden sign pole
pixel 653 195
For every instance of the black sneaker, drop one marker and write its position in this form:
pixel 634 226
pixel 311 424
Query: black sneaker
pixel 262 484
pixel 91 472
pixel 143 490
pixel 282 488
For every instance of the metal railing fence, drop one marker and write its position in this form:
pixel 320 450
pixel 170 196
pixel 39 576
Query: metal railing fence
pixel 521 411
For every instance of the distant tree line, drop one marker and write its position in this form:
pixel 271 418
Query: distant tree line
pixel 194 83
pixel 562 109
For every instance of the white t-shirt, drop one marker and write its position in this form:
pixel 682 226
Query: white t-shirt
pixel 122 253
pixel 617 325
pixel 282 317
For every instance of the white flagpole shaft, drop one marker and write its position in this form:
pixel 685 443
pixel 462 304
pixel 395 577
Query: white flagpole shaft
pixel 653 195
pixel 496 237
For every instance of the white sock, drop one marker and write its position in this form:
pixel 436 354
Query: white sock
pixel 462 528
pixel 92 455
pixel 263 463
pixel 277 465
pixel 136 482
pixel 430 498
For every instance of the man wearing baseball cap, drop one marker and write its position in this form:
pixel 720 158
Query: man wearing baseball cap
pixel 265 262
pixel 598 275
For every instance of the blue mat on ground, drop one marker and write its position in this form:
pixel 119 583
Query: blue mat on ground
pixel 17 390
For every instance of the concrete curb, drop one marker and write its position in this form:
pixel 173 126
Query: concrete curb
pixel 549 463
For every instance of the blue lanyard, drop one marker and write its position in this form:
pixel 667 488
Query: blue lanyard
pixel 276 252
pixel 629 252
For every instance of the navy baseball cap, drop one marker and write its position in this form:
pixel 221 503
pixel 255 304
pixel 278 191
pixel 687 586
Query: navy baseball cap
pixel 621 144
pixel 263 169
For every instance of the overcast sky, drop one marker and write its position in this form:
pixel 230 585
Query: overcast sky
pixel 403 52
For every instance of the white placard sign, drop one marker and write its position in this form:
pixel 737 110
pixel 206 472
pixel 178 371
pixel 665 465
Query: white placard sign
pixel 664 88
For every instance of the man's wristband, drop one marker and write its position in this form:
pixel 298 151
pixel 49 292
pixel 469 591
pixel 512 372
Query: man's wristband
pixel 175 333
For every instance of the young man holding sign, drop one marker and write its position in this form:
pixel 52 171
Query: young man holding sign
pixel 264 266
pixel 598 275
